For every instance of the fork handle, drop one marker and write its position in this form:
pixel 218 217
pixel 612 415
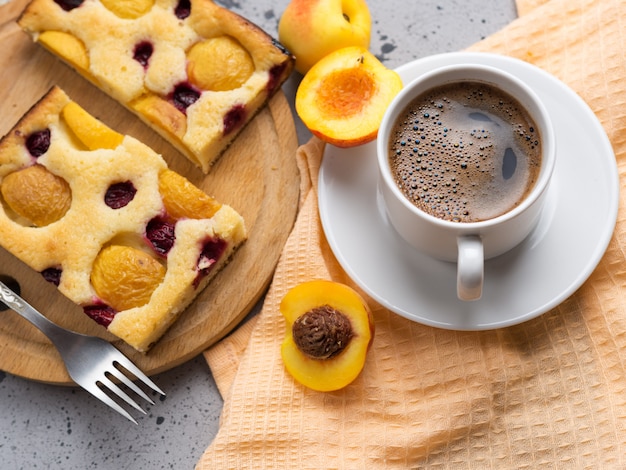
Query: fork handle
pixel 16 303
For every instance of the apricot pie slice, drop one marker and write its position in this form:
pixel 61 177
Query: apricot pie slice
pixel 192 70
pixel 127 239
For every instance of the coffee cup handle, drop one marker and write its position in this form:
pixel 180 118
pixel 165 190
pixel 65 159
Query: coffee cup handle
pixel 470 267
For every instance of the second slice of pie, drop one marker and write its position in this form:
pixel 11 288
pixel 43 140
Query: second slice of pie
pixel 192 70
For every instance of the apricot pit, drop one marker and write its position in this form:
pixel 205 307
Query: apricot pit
pixel 322 333
pixel 328 333
pixel 343 97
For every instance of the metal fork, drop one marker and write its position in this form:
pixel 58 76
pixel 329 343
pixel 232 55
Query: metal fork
pixel 90 361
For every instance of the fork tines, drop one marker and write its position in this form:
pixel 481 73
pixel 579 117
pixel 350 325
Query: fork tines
pixel 119 372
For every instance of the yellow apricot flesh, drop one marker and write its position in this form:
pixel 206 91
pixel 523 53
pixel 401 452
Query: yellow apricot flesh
pixel 125 277
pixel 67 46
pixel 343 97
pixel 90 131
pixel 128 9
pixel 37 195
pixel 338 371
pixel 219 64
pixel 184 200
pixel 161 113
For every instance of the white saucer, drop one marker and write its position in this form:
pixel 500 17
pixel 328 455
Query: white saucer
pixel 544 270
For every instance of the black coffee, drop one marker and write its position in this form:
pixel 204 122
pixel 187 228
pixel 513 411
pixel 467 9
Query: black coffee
pixel 465 152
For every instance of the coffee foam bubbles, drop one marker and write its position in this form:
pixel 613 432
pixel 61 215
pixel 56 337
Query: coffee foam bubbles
pixel 465 152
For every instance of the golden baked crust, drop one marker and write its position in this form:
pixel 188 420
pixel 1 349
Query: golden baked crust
pixel 143 61
pixel 64 250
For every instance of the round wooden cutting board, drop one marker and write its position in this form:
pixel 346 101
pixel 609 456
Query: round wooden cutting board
pixel 257 176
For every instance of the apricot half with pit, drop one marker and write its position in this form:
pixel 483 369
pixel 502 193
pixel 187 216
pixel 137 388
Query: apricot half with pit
pixel 329 331
pixel 344 96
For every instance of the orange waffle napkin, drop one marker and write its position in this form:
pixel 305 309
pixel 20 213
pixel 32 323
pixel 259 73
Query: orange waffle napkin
pixel 550 392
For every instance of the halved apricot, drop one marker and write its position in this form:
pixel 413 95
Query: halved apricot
pixel 125 277
pixel 219 64
pixel 329 331
pixel 37 194
pixel 182 199
pixel 343 97
pixel 93 133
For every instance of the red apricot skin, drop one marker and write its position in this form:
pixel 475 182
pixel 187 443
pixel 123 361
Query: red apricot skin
pixel 337 372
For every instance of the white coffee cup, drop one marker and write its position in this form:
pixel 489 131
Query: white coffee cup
pixel 468 244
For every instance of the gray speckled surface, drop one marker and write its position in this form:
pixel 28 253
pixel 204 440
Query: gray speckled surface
pixel 50 427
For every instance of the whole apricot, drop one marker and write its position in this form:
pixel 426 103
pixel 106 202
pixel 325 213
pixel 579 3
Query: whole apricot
pixel 37 194
pixel 343 98
pixel 329 331
pixel 129 9
pixel 312 29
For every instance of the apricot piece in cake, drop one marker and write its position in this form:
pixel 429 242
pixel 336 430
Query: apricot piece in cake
pixel 219 64
pixel 343 97
pixel 125 277
pixel 90 131
pixel 182 199
pixel 158 111
pixel 128 9
pixel 36 194
pixel 329 331
pixel 68 46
